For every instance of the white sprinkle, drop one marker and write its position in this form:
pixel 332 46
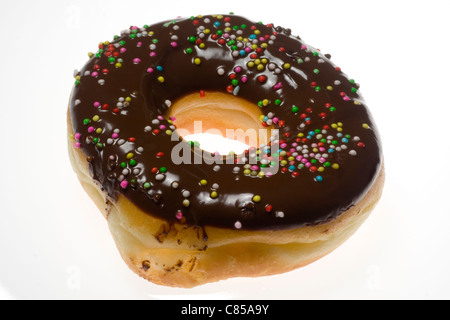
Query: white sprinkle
pixel 175 185
pixel 352 152
pixel 148 129
pixel 77 102
pixel 186 194
pixel 216 168
pixel 237 225
pixel 215 186
pixel 168 103
pixel 279 214
pixel 160 177
pixel 121 142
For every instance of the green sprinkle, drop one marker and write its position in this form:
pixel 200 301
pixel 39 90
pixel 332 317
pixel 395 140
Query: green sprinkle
pixel 189 50
pixel 163 169
pixel 192 39
pixel 132 162
pixel 277 102
pixel 294 109
pixel 147 185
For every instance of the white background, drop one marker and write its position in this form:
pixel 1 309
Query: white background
pixel 55 244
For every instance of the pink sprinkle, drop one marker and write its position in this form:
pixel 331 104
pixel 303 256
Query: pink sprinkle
pixel 299 158
pixel 123 50
pixel 77 136
pixel 321 149
pixel 247 49
pixel 225 35
pixel 254 168
pixel 269 174
pixel 322 160
pixel 308 164
pixel 134 28
pixel 150 70
pixel 136 60
pixel 244 79
pixel 275 120
pixel 279 85
pixel 238 69
pixel 283 145
pixel 77 145
pixel 304 160
pixel 295 144
pixel 292 149
pixel 115 135
pixel 174 44
pixel 160 118
pixel 346 98
pixel 96 104
pixel 179 215
pixel 162 127
pixel 152 54
pixel 124 184
pixel 304 47
pixel 91 129
pixel 139 44
pixel 94 74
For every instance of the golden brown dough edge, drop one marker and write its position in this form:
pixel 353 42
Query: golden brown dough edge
pixel 187 256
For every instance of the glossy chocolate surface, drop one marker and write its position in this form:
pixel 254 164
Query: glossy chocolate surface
pixel 329 153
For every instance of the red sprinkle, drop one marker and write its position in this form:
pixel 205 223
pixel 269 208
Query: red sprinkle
pixel 160 154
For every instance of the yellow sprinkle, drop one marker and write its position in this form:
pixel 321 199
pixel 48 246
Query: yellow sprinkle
pixel 264 45
pixel 257 32
pixel 197 61
pixel 265 102
pixel 201 45
pixel 260 67
pixel 254 46
pixel 169 132
pixel 340 124
pixel 250 64
pixel 334 125
pixel 128 99
pixel 261 174
pixel 118 65
pixel 287 66
pixel 264 60
pixel 99 130
pixel 320 169
pixel 283 162
pixel 161 79
pixel 207 31
pixel 257 61
pixel 365 126
pixel 71 137
pixel 130 155
pixel 329 88
pixel 247 172
pixel 95 118
pixel 203 182
pixel 214 194
pixel 90 54
pixel 335 166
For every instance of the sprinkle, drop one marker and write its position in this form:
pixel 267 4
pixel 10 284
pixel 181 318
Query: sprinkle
pixel 214 194
pixel 203 182
pixel 238 225
pixel 197 61
pixel 179 215
pixel 256 198
pixel 124 184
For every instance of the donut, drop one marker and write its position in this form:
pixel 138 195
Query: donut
pixel 182 216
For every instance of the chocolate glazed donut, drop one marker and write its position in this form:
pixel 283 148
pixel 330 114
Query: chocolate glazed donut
pixel 325 161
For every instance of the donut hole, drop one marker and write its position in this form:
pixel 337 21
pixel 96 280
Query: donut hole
pixel 219 122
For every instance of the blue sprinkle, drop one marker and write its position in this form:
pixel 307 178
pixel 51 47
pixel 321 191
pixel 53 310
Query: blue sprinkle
pixel 159 68
pixel 311 133
pixel 217 23
pixel 242 52
pixel 319 179
pixel 330 150
pixel 345 140
pixel 291 168
pixel 252 36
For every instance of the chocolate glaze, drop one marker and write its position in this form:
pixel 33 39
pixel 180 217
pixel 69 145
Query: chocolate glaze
pixel 311 81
